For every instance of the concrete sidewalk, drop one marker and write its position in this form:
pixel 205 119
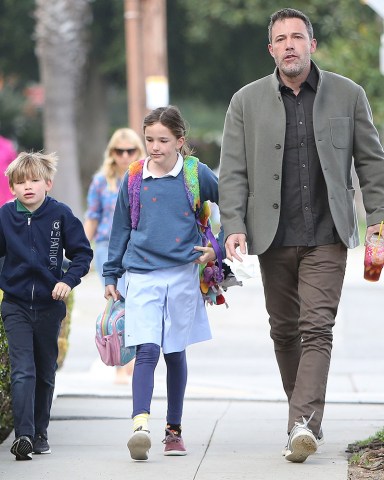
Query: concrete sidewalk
pixel 235 413
pixel 226 440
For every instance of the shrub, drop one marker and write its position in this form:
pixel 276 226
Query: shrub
pixel 6 420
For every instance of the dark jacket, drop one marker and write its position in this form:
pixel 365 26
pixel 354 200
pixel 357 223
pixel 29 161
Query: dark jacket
pixel 33 247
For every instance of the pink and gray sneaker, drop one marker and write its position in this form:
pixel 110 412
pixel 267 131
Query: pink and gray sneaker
pixel 174 444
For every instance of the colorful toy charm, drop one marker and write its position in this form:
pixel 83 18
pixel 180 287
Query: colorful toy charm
pixel 210 277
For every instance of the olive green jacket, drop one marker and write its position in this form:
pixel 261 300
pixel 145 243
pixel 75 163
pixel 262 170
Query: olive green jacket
pixel 252 155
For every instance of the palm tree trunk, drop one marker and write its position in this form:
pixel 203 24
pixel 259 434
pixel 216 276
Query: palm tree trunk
pixel 61 41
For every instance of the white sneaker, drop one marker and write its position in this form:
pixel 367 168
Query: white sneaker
pixel 320 441
pixel 139 444
pixel 301 442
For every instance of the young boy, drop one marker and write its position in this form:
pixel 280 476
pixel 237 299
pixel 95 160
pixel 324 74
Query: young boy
pixel 34 231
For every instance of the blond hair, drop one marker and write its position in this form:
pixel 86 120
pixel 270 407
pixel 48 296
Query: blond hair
pixel 32 165
pixel 109 167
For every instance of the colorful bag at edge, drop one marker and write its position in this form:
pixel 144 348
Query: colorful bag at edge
pixel 110 335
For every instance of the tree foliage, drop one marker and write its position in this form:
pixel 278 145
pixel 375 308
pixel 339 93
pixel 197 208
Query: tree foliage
pixel 214 47
pixel 18 69
pixel 107 39
pixel 17 24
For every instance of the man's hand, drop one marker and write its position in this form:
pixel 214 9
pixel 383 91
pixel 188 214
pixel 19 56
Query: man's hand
pixel 61 291
pixel 373 229
pixel 233 241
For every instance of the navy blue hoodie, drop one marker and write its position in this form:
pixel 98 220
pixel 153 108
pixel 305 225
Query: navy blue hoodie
pixel 33 247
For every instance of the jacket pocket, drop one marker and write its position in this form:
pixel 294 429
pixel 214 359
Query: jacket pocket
pixel 340 131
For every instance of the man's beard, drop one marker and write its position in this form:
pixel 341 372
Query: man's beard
pixel 294 70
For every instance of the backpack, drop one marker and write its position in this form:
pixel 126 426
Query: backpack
pixel 211 274
pixel 109 337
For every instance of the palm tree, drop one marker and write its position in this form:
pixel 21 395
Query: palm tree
pixel 61 48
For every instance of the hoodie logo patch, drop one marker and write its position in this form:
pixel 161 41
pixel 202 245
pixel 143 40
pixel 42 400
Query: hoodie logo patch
pixel 54 244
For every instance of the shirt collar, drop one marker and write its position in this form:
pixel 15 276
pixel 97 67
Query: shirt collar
pixel 173 173
pixel 312 80
pixel 20 207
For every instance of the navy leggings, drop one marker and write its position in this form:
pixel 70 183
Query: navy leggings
pixel 147 357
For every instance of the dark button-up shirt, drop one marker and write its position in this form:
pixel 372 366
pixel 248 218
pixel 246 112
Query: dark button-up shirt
pixel 305 217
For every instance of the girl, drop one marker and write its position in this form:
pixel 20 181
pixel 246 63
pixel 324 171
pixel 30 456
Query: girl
pixel 159 245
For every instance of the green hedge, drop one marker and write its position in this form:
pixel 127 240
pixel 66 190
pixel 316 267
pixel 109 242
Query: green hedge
pixel 6 419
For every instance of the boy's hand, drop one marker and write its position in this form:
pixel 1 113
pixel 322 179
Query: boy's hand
pixel 61 291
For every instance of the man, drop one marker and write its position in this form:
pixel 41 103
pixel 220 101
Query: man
pixel 285 190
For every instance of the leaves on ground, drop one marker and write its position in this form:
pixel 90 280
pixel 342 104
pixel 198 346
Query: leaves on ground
pixel 366 460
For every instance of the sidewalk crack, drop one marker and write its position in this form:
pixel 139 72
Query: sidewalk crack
pixel 210 439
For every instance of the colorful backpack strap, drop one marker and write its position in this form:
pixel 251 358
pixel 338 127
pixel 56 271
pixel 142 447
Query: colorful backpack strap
pixel 191 181
pixel 135 177
pixel 202 212
pixel 105 317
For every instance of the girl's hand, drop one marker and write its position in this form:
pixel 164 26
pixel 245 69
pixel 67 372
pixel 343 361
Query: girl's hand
pixel 110 291
pixel 207 256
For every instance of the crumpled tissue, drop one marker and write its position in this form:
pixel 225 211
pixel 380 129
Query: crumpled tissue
pixel 248 268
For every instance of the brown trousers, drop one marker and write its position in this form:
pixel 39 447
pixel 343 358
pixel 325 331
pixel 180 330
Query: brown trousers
pixel 302 288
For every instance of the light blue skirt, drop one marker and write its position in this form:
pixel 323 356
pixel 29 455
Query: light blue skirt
pixel 165 307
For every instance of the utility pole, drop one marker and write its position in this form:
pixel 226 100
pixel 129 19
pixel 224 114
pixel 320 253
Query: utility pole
pixel 378 7
pixel 146 58
pixel 134 54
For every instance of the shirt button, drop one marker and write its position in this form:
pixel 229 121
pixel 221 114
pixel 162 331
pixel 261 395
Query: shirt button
pixel 277 146
pixel 305 187
pixel 303 165
pixel 306 208
pixel 276 177
pixel 302 144
pixel 300 123
pixel 275 206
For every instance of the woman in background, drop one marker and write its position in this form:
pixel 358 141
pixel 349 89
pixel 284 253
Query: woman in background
pixel 124 147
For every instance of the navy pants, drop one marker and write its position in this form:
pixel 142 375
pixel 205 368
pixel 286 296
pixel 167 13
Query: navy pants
pixel 32 342
pixel 147 357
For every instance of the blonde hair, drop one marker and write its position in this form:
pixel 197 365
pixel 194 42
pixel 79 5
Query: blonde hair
pixel 32 165
pixel 109 167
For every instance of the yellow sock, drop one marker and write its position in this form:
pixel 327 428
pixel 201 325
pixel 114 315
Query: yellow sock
pixel 140 420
